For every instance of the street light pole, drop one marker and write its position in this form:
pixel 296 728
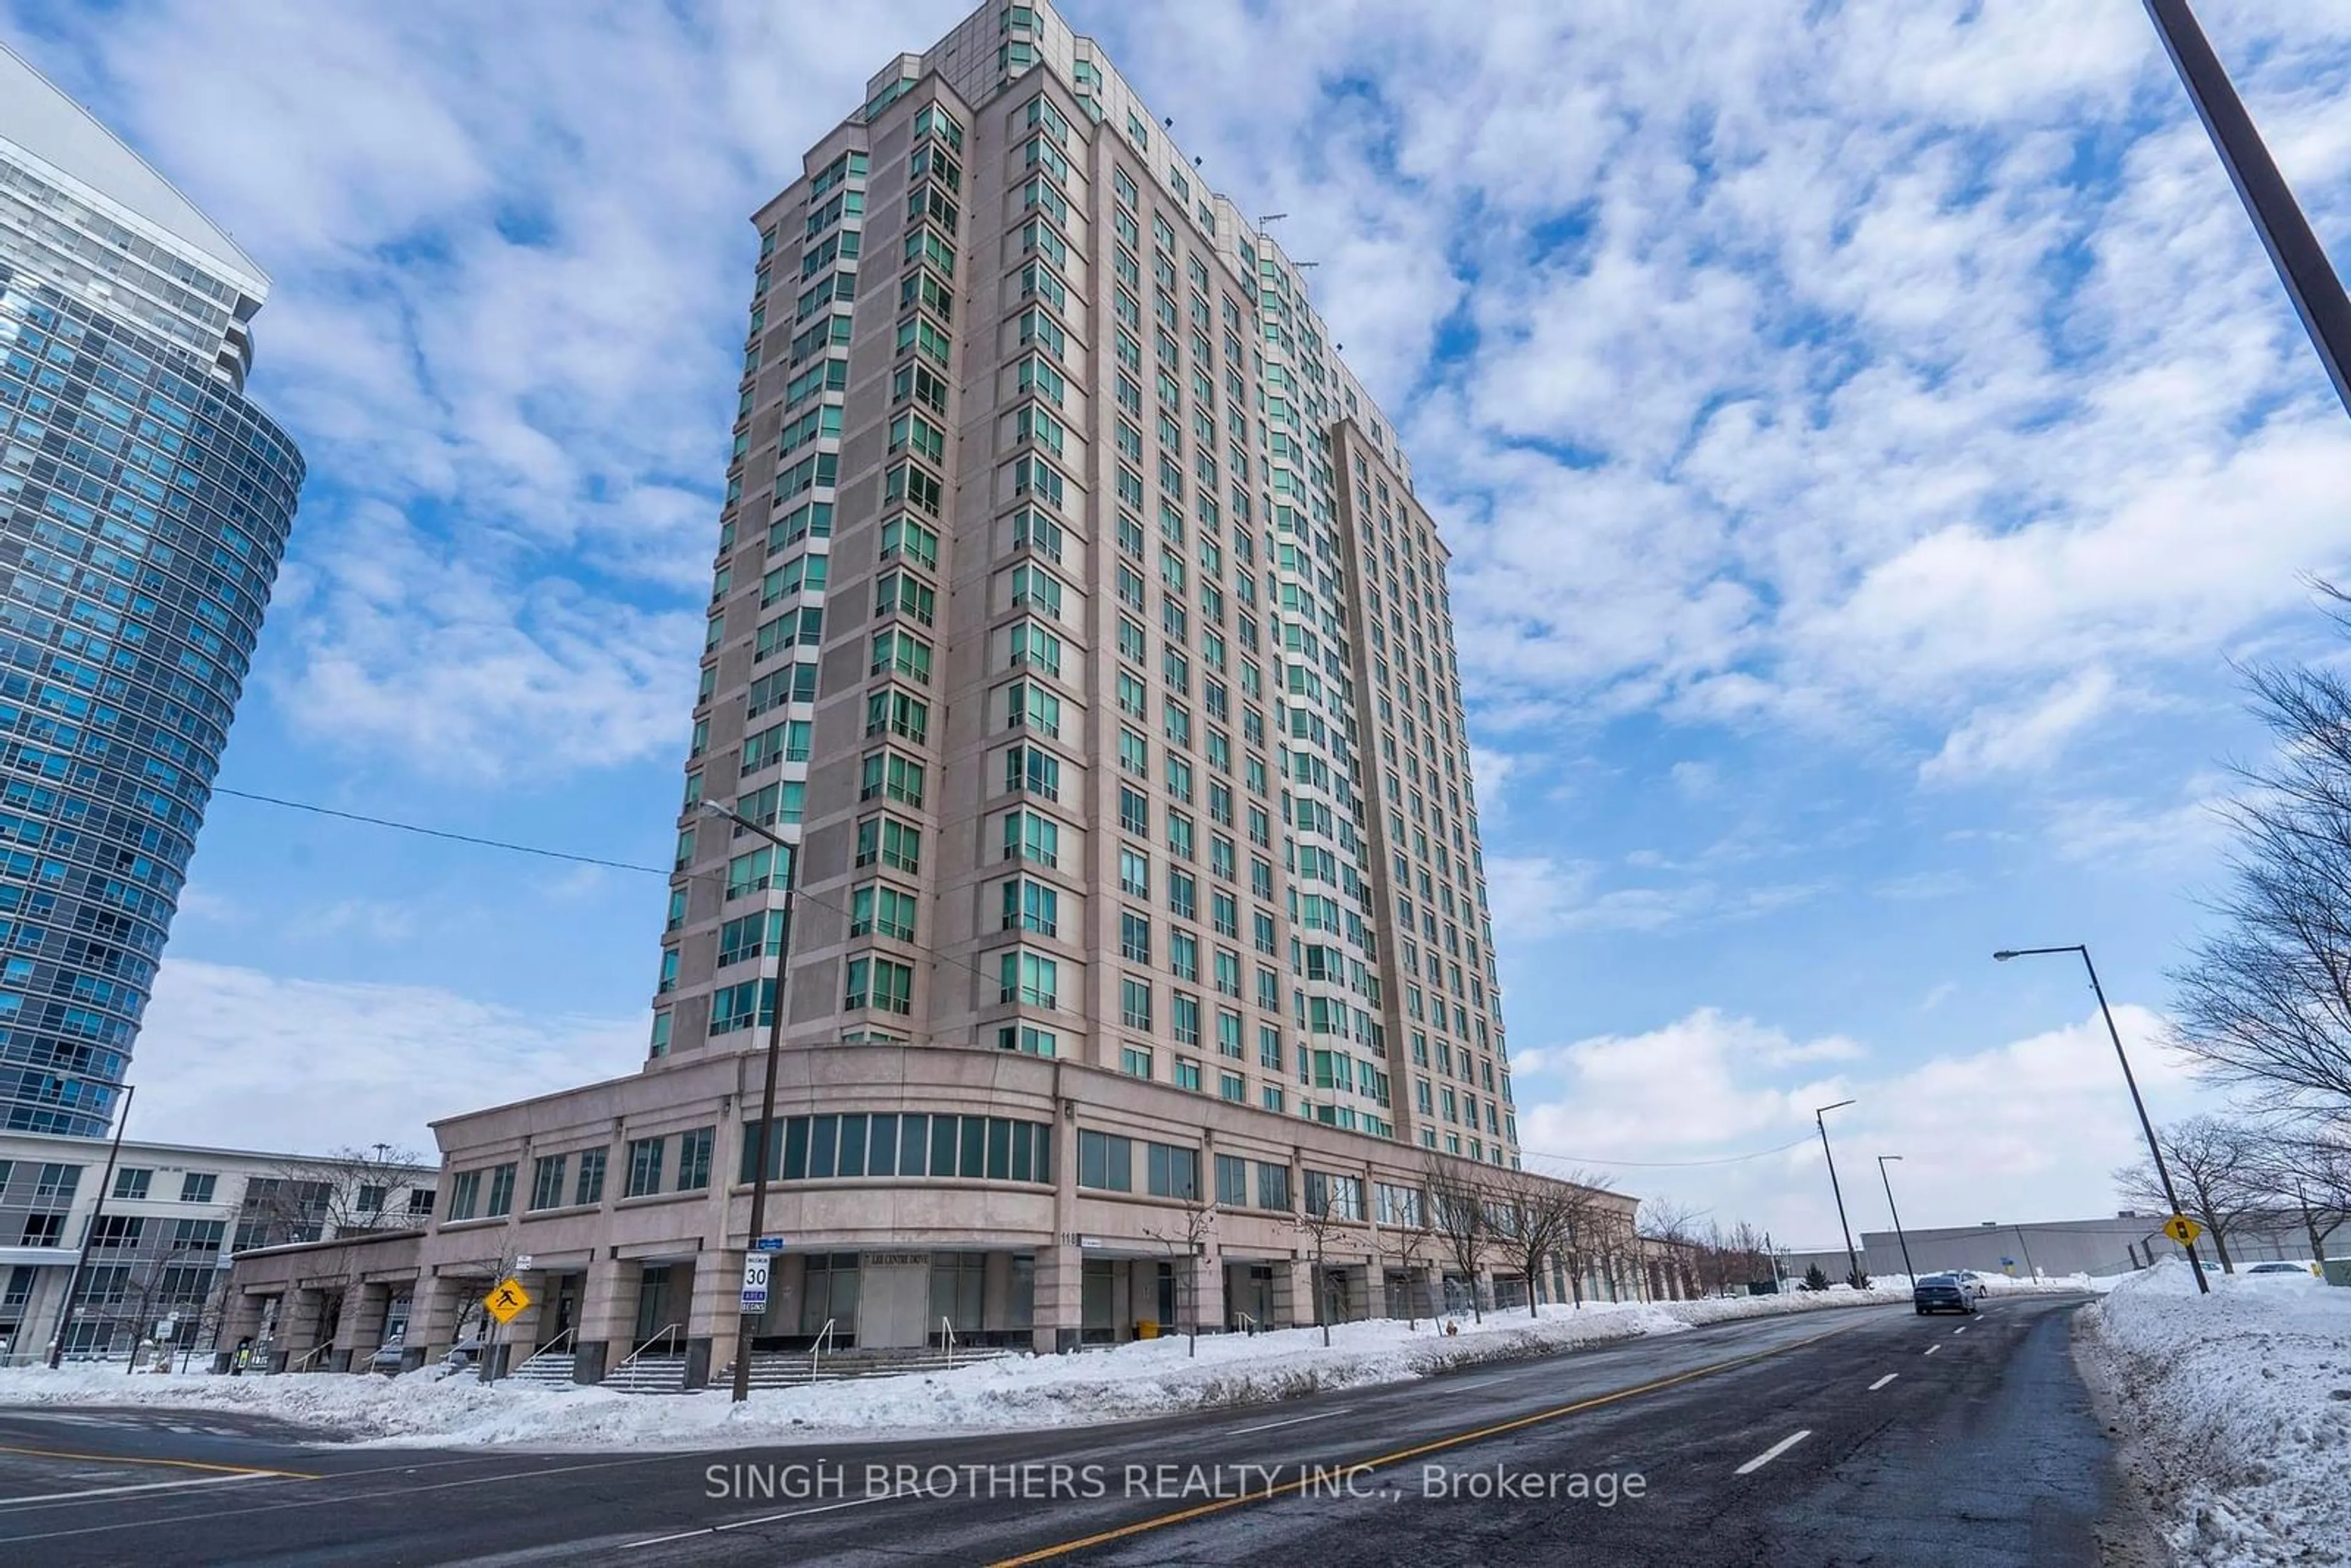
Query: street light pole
pixel 2301 262
pixel 1853 1259
pixel 1899 1236
pixel 765 1143
pixel 90 1233
pixel 2153 1148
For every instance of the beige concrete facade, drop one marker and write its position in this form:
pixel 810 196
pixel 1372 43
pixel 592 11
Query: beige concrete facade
pixel 1073 1205
pixel 1074 614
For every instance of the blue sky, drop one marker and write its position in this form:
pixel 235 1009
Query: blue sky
pixel 1864 431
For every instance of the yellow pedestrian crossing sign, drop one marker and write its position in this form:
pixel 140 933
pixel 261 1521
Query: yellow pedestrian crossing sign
pixel 509 1301
pixel 2182 1229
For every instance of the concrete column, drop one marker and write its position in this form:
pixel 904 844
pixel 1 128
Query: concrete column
pixel 995 1294
pixel 361 1329
pixel 301 1329
pixel 1207 1307
pixel 1293 1292
pixel 714 1314
pixel 608 1318
pixel 1059 1300
pixel 433 1316
pixel 240 1320
pixel 786 1289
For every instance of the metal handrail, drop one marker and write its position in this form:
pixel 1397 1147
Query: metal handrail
pixel 823 1338
pixel 666 1331
pixel 546 1349
pixel 1244 1317
pixel 308 1356
pixel 946 1329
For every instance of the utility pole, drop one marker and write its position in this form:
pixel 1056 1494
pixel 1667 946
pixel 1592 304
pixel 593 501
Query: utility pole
pixel 1852 1259
pixel 96 1212
pixel 762 1146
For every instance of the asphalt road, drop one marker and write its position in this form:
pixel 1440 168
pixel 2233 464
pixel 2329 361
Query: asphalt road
pixel 1863 1436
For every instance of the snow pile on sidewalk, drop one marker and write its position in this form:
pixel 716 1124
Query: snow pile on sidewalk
pixel 2240 1403
pixel 1147 1378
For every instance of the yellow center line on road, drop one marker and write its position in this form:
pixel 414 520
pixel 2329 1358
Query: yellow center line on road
pixel 1203 1510
pixel 175 1464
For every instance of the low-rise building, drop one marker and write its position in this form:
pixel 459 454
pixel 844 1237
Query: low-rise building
pixel 159 1232
pixel 917 1193
pixel 2107 1244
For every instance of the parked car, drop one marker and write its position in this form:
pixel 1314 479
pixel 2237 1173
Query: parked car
pixel 1943 1294
pixel 1978 1285
pixel 2273 1270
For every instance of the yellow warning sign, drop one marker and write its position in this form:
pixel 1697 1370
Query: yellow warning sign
pixel 508 1301
pixel 2182 1229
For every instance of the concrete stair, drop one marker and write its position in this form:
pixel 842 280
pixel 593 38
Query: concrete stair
pixel 552 1370
pixel 793 1369
pixel 648 1375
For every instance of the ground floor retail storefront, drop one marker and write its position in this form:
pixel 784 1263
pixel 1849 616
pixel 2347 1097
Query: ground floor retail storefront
pixel 918 1198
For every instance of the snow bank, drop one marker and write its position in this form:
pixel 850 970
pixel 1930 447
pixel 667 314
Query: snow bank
pixel 1149 1377
pixel 2241 1404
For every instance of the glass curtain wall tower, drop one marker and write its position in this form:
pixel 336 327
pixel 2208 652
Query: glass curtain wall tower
pixel 144 505
pixel 1074 613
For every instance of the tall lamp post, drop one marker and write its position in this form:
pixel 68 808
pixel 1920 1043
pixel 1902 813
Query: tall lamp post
pixel 761 1145
pixel 1853 1259
pixel 90 1234
pixel 2154 1149
pixel 1899 1236
pixel 2301 262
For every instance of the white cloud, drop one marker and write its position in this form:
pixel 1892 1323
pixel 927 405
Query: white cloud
pixel 1923 884
pixel 236 1057
pixel 2026 1129
pixel 513 268
pixel 1537 895
pixel 369 920
pixel 1696 780
pixel 2023 739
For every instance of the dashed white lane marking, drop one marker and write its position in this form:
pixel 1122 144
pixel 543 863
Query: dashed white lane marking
pixel 147 1486
pixel 770 1519
pixel 1771 1453
pixel 1933 1348
pixel 1961 1329
pixel 1293 1421
pixel 1884 1381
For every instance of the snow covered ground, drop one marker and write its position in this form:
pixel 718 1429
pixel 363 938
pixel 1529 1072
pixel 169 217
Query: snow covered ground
pixel 2240 1403
pixel 1149 1377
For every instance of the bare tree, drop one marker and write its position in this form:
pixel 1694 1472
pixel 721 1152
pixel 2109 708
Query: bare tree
pixel 1751 1253
pixel 1415 1241
pixel 346 1192
pixel 2266 1001
pixel 133 1296
pixel 1318 1218
pixel 2311 1175
pixel 1615 1248
pixel 1189 1242
pixel 1590 1219
pixel 1672 1228
pixel 2214 1164
pixel 1534 1217
pixel 1458 1214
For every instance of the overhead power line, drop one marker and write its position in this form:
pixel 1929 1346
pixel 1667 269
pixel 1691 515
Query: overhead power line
pixel 803 897
pixel 513 848
pixel 439 833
